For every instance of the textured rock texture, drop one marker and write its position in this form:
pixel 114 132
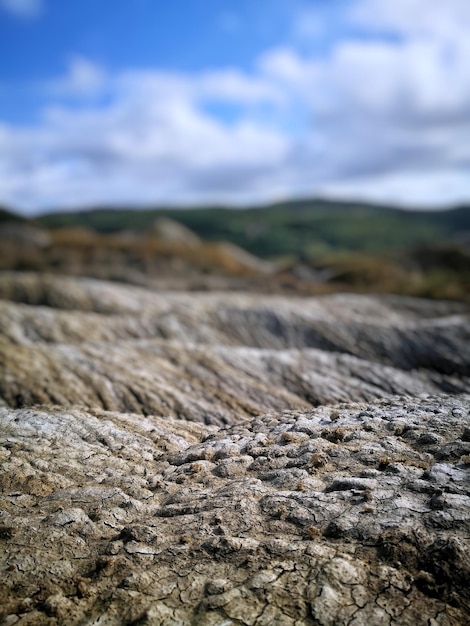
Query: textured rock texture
pixel 217 358
pixel 229 459
pixel 353 514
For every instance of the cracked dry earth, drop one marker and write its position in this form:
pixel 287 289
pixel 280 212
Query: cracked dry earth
pixel 229 459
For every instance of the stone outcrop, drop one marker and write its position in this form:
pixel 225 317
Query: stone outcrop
pixel 347 514
pixel 21 234
pixel 170 230
pixel 218 358
pixel 229 458
pixel 168 253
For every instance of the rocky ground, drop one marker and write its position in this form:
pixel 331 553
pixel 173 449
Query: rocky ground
pixel 228 458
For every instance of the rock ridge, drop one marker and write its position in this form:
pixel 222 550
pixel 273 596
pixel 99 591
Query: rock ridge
pixel 231 459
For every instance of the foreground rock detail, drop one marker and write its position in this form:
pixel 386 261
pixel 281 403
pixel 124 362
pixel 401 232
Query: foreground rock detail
pixel 219 358
pixel 231 459
pixel 347 514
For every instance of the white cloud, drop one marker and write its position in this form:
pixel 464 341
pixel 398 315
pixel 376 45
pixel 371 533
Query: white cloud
pixel 83 78
pixel 381 106
pixel 153 142
pixel 414 17
pixel 23 8
pixel 445 188
pixel 286 65
pixel 233 85
pixel 384 118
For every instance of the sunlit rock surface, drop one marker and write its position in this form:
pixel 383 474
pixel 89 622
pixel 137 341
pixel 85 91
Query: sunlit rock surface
pixel 219 357
pixel 354 514
pixel 230 459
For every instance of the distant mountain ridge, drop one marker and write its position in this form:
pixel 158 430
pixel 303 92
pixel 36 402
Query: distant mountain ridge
pixel 9 216
pixel 301 227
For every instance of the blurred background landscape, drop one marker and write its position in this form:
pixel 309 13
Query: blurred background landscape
pixel 302 247
pixel 289 146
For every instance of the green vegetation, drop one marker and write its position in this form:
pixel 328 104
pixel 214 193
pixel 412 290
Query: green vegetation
pixel 8 216
pixel 318 246
pixel 305 229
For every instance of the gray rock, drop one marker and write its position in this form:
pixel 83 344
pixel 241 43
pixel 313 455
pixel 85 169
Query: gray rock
pixel 216 358
pixel 220 458
pixel 216 538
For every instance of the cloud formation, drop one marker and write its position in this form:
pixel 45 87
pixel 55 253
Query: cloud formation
pixel 383 114
pixel 22 8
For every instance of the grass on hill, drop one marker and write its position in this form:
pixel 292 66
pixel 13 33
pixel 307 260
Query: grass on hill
pixel 302 228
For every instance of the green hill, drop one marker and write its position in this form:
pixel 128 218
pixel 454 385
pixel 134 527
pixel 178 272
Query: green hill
pixel 305 227
pixel 9 216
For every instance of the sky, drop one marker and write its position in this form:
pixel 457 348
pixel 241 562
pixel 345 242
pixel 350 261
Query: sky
pixel 240 102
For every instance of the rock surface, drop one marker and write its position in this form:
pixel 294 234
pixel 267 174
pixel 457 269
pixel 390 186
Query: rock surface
pixel 228 459
pixel 352 514
pixel 218 358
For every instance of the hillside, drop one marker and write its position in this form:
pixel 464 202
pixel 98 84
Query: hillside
pixel 312 251
pixel 9 216
pixel 306 228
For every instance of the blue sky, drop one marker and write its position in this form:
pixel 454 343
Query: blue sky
pixel 234 101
